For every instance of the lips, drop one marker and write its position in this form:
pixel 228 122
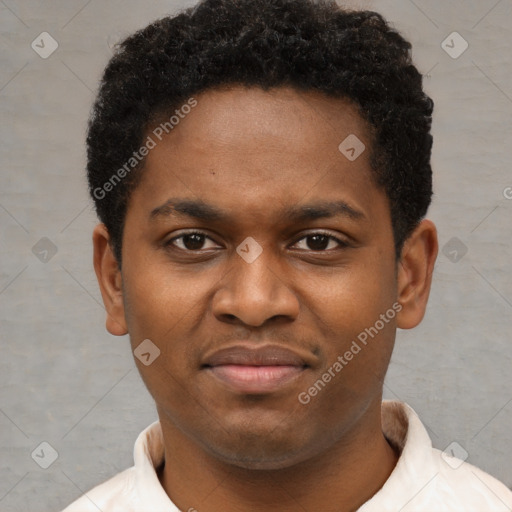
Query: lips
pixel 261 356
pixel 256 370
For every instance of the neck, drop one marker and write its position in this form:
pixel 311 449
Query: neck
pixel 340 479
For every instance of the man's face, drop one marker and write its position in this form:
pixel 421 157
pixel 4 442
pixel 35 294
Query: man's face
pixel 258 156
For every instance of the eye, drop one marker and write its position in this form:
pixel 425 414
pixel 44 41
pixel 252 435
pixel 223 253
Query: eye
pixel 320 241
pixel 192 241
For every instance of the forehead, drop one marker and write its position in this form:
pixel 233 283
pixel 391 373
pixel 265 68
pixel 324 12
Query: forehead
pixel 245 146
pixel 238 114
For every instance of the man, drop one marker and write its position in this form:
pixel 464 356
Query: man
pixel 262 172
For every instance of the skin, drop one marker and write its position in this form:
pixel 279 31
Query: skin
pixel 252 153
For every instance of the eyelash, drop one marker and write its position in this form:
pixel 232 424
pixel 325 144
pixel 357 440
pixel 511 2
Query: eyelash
pixel 342 244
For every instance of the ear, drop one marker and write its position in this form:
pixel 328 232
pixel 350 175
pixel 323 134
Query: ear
pixel 415 269
pixel 109 278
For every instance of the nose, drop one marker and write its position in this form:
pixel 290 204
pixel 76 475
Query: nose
pixel 254 293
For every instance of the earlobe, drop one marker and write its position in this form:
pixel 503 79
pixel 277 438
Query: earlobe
pixel 110 281
pixel 415 270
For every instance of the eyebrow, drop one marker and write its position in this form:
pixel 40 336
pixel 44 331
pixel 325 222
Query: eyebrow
pixel 200 210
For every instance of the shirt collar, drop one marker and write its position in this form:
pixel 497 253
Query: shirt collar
pixel 148 456
pixel 416 466
pixel 400 424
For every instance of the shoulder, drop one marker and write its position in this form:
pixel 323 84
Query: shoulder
pixel 468 487
pixel 114 495
pixel 136 489
pixel 426 479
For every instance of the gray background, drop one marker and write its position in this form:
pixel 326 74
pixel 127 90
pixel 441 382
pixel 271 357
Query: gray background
pixel 66 381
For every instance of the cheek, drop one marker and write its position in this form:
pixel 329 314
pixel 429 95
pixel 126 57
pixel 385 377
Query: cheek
pixel 355 297
pixel 358 319
pixel 170 307
pixel 164 306
pixel 157 299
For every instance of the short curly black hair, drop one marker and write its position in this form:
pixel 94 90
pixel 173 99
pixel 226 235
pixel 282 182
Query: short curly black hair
pixel 311 45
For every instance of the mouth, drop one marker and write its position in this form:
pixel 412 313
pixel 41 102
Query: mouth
pixel 256 370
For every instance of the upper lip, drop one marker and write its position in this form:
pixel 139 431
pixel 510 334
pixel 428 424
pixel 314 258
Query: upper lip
pixel 268 355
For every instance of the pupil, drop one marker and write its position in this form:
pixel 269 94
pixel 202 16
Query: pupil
pixel 322 245
pixel 195 241
pixel 196 244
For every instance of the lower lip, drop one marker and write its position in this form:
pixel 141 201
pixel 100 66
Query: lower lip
pixel 255 379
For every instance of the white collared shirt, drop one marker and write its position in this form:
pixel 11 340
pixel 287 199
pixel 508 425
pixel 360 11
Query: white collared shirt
pixel 424 479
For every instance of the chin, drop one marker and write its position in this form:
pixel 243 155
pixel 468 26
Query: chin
pixel 260 449
pixel 257 460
